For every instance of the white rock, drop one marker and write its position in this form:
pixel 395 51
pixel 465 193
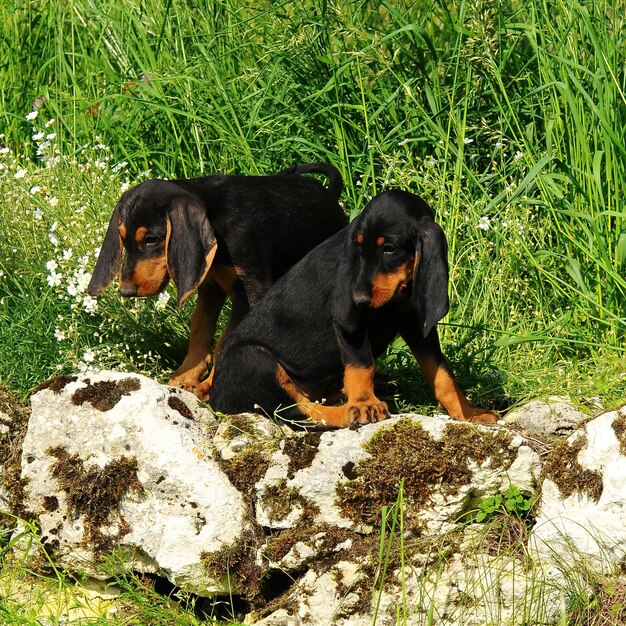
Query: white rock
pixel 186 505
pixel 232 439
pixel 556 416
pixel 574 528
pixel 320 600
pixel 341 450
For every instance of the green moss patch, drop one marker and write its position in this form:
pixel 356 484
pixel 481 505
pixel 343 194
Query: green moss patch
pixel 280 500
pixel 11 440
pixel 619 428
pixel 104 395
pixel 239 424
pixel 175 403
pixel 250 465
pixel 246 469
pixel 301 450
pixel 95 493
pixel 56 384
pixel 562 468
pixel 406 450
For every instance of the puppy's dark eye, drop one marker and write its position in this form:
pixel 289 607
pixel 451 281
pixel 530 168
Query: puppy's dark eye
pixel 389 248
pixel 150 240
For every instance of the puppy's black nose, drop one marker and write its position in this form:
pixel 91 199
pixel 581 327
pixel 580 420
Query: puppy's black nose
pixel 128 290
pixel 361 298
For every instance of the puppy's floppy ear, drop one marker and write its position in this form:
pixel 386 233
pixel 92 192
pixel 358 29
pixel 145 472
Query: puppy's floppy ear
pixel 110 258
pixel 191 244
pixel 430 276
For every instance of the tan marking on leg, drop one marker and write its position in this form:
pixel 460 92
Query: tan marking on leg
pixel 448 394
pixel 358 383
pixel 362 405
pixel 203 322
pixel 386 286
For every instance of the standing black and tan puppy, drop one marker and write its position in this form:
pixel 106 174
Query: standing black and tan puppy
pixel 315 335
pixel 220 235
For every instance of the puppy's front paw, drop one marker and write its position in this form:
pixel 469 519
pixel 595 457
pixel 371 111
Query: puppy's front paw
pixel 189 378
pixel 485 416
pixel 367 412
pixel 477 415
pixel 203 389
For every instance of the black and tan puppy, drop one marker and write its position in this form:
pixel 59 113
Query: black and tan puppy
pixel 316 333
pixel 220 235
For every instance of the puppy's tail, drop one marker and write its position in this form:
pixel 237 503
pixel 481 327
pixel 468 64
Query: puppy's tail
pixel 335 182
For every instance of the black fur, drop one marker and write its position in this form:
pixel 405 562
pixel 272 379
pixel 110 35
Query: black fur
pixel 319 318
pixel 256 227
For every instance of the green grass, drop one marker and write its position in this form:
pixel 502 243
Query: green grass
pixel 509 121
pixel 508 118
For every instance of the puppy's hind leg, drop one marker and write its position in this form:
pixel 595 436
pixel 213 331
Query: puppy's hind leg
pixel 247 379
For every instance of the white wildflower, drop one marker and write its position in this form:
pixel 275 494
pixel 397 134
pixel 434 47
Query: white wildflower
pixel 518 155
pixel 50 122
pixel 67 254
pixel 38 214
pixel 89 355
pixel 499 145
pixel 20 174
pixel 125 186
pixel 467 140
pixel 162 301
pixel 82 280
pixel 35 189
pixel 484 223
pixel 32 116
pixel 4 150
pixel 38 136
pixel 59 334
pixel 90 304
pixel 51 136
pixel 54 279
pixel 51 265
pixel 53 240
pixel 54 201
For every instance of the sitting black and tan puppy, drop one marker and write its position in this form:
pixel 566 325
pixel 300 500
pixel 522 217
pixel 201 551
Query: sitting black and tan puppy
pixel 220 235
pixel 314 336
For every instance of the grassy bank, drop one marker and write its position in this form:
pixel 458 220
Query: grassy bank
pixel 510 122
